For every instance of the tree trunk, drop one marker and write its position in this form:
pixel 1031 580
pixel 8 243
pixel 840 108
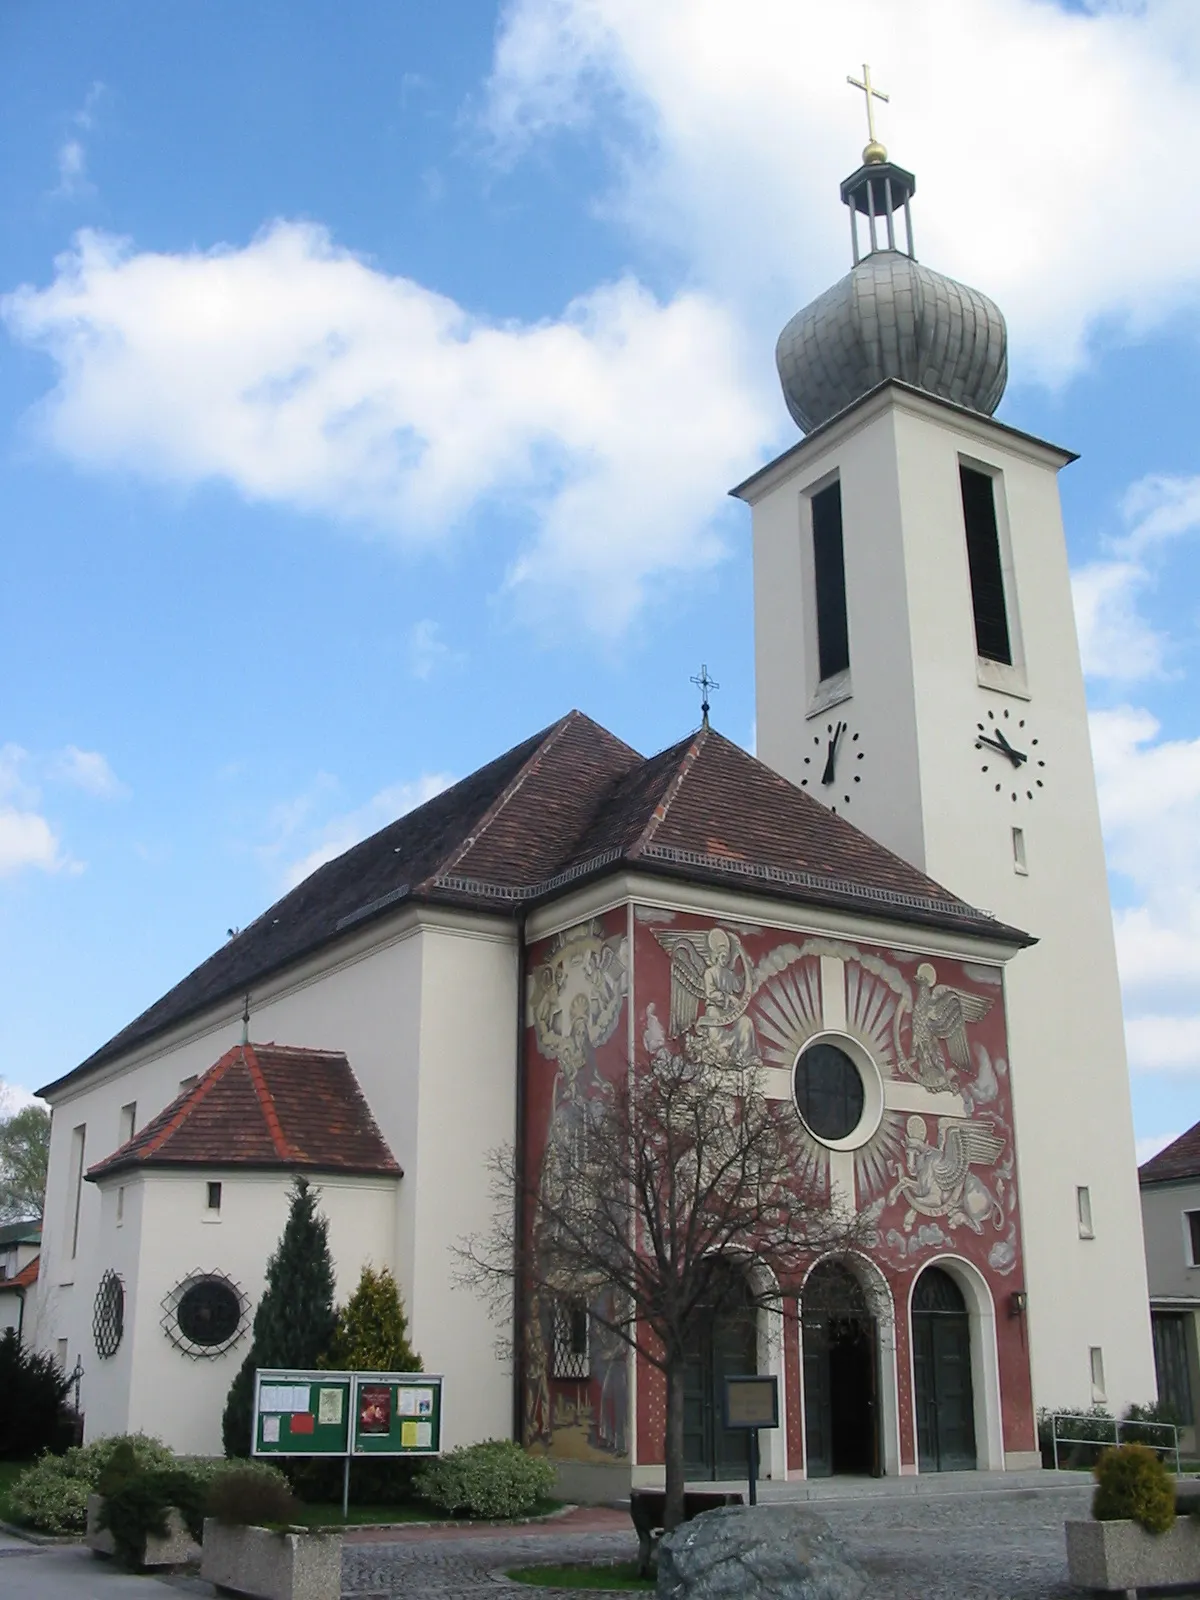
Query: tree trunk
pixel 673 1511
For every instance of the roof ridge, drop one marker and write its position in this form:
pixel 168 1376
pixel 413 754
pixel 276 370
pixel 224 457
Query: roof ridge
pixel 189 1100
pixel 659 815
pixel 266 1102
pixel 529 766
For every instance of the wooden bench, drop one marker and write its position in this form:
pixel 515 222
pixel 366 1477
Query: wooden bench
pixel 647 1507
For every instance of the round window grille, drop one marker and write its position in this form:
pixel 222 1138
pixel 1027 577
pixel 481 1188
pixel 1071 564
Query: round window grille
pixel 204 1314
pixel 829 1092
pixel 108 1316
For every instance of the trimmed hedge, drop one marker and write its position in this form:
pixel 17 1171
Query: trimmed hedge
pixel 493 1479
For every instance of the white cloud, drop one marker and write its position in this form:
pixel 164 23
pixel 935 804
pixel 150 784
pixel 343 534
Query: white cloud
pixel 1047 143
pixel 73 181
pixel 1152 1144
pixel 27 840
pixel 304 377
pixel 1149 790
pixel 1115 640
pixel 428 651
pixel 305 836
pixel 14 1098
pixel 87 770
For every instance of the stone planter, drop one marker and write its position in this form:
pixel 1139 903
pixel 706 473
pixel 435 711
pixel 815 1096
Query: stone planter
pixel 1120 1555
pixel 297 1565
pixel 177 1548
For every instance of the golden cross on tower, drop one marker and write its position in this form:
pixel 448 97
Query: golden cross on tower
pixel 874 151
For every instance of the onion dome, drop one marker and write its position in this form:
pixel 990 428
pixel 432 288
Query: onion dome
pixel 890 317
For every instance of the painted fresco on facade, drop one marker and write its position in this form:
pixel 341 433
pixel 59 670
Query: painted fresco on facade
pixel 576 1378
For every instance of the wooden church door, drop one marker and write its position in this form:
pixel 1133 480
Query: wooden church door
pixel 725 1344
pixel 945 1402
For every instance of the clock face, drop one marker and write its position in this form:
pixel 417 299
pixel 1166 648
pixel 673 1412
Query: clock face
pixel 1011 758
pixel 833 770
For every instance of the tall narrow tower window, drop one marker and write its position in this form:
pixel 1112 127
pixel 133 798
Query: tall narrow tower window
pixel 983 558
pixel 829 572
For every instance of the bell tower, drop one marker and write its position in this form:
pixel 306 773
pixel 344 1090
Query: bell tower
pixel 918 671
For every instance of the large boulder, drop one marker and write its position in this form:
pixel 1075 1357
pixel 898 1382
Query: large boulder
pixel 773 1552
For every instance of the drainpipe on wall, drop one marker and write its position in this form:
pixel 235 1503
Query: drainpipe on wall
pixel 518 1197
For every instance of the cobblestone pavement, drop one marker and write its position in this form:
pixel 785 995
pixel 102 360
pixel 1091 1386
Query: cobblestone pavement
pixel 953 1547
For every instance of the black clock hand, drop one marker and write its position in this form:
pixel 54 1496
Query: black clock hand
pixel 831 758
pixel 1001 744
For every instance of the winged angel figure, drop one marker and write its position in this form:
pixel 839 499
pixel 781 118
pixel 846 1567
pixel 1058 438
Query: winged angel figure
pixel 937 1180
pixel 940 1017
pixel 712 983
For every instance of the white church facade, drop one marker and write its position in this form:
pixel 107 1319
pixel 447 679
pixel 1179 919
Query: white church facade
pixel 469 975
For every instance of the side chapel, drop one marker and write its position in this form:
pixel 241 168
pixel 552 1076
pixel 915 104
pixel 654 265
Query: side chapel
pixel 470 975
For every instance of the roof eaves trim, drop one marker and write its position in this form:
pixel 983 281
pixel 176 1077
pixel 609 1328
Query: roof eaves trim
pixel 371 907
pixel 517 893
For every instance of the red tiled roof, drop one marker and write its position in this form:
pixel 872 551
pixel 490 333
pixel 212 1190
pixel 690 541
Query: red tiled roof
pixel 264 1105
pixel 24 1279
pixel 1180 1159
pixel 572 802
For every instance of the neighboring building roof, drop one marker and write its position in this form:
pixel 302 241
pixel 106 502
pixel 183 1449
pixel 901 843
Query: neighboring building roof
pixel 29 1232
pixel 264 1105
pixel 570 803
pixel 1179 1160
pixel 25 1279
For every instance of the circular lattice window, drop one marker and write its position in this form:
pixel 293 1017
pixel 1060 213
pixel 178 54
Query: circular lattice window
pixel 108 1315
pixel 204 1314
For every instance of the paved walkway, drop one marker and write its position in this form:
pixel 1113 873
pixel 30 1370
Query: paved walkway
pixel 980 1541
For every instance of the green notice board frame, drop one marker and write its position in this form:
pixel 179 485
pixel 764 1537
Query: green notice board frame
pixel 301 1413
pixel 396 1414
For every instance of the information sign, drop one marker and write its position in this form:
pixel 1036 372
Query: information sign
pixel 751 1402
pixel 301 1413
pixel 396 1414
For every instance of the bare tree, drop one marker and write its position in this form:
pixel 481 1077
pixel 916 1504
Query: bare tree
pixel 644 1200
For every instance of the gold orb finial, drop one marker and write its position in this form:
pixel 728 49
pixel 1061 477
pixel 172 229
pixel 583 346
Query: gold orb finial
pixel 873 154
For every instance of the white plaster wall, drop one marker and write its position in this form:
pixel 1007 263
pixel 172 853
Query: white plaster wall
pixel 373 998
pixel 916 699
pixel 1168 1254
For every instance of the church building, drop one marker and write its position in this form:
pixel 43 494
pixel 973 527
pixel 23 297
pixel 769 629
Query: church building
pixel 897 914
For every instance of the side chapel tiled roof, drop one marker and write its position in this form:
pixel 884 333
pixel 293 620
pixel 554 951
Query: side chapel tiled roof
pixel 264 1105
pixel 25 1279
pixel 573 802
pixel 1179 1160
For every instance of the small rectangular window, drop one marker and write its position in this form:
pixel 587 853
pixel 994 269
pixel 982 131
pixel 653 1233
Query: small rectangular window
pixel 1020 864
pixel 120 1205
pixel 983 559
pixel 1083 1208
pixel 572 1357
pixel 189 1083
pixel 61 1351
pixel 1193 1227
pixel 214 1197
pixel 128 1122
pixel 1096 1361
pixel 829 576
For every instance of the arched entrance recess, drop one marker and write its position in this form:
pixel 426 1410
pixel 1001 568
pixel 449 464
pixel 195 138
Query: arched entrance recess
pixel 724 1341
pixel 841 1375
pixel 943 1393
pixel 984 1365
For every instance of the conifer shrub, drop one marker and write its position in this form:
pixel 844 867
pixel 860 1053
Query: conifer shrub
pixel 493 1479
pixel 371 1334
pixel 295 1319
pixel 35 1389
pixel 245 1496
pixel 1133 1484
pixel 138 1500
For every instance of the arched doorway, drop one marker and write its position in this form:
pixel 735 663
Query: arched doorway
pixel 945 1402
pixel 724 1342
pixel 841 1375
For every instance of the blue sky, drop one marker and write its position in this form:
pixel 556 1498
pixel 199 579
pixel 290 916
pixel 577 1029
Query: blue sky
pixel 373 376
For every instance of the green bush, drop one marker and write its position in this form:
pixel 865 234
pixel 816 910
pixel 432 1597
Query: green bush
pixel 1094 1427
pixel 247 1497
pixel 1155 1412
pixel 1131 1482
pixel 136 1504
pixel 51 1495
pixel 492 1479
pixel 35 1393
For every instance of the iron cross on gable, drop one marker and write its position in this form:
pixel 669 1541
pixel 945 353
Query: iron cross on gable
pixel 871 93
pixel 704 683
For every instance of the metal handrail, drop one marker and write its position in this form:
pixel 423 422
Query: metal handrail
pixel 1116 1424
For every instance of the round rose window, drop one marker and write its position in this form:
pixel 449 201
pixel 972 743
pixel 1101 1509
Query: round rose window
pixel 829 1092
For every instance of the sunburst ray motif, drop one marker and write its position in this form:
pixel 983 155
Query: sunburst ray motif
pixel 789 1012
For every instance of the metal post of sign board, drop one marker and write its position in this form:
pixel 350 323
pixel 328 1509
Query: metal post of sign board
pixel 750 1402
